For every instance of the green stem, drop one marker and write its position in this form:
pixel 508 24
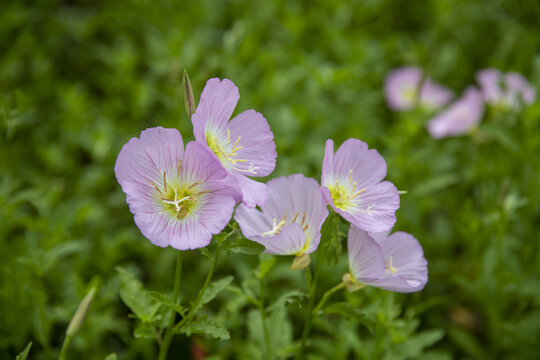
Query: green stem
pixel 164 348
pixel 312 289
pixel 65 345
pixel 327 295
pixel 263 319
pixel 195 306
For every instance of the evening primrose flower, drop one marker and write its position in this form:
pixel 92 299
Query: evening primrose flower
pixel 461 117
pixel 178 198
pixel 404 90
pixel 244 145
pixel 506 91
pixel 289 223
pixel 352 184
pixel 392 262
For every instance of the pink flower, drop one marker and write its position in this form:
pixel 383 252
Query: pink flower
pixel 393 262
pixel 462 116
pixel 505 90
pixel 404 89
pixel 352 184
pixel 178 198
pixel 244 145
pixel 290 221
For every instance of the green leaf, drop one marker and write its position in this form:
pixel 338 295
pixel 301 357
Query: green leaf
pixel 24 354
pixel 205 326
pixel 413 347
pixel 166 301
pixel 145 331
pixel 111 357
pixel 214 288
pixel 136 297
pixel 350 312
pixel 245 246
pixel 290 297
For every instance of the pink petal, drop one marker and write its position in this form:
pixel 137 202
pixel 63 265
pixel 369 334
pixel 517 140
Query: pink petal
pixel 433 96
pixel 366 259
pixel 289 241
pixel 253 192
pixel 401 87
pixel 141 163
pixel 257 141
pixel 217 103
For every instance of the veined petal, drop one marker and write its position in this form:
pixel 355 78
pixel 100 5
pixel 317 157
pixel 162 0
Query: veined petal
pixel 328 163
pixel 199 165
pixel 366 259
pixel 368 166
pixel 253 192
pixel 217 103
pixel 375 209
pixel 289 241
pixel 141 163
pixel 405 255
pixel 256 154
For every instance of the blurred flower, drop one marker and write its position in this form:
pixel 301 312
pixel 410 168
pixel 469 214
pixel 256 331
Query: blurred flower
pixel 462 116
pixel 404 89
pixel 178 198
pixel 505 90
pixel 352 184
pixel 290 221
pixel 392 262
pixel 244 146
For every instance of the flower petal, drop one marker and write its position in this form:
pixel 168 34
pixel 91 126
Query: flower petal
pixel 253 192
pixel 462 116
pixel 433 96
pixel 408 260
pixel 141 163
pixel 257 141
pixel 217 103
pixel 401 87
pixel 366 260
pixel 289 241
pixel 375 209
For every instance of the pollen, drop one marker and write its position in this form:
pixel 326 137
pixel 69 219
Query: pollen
pixel 344 194
pixel 228 153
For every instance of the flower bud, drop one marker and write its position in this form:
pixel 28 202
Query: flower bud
pixel 78 319
pixel 351 283
pixel 189 100
pixel 300 262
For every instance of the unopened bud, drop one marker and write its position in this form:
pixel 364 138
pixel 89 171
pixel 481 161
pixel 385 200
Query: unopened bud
pixel 78 319
pixel 189 100
pixel 351 283
pixel 300 262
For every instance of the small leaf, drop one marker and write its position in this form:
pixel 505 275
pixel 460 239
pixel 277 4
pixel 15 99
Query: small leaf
pixel 214 288
pixel 166 301
pixel 136 297
pixel 189 99
pixel 247 247
pixel 205 326
pixel 111 357
pixel 24 354
pixel 290 297
pixel 145 331
pixel 348 311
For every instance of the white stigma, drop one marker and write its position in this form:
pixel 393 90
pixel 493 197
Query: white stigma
pixel 176 202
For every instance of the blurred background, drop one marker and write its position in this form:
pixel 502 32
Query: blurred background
pixel 78 79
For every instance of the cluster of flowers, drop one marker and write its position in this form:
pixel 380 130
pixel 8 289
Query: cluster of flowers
pixel 182 197
pixel 406 87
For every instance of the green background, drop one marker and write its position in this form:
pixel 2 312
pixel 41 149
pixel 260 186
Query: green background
pixel 78 79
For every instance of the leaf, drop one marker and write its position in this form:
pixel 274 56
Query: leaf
pixel 245 246
pixel 205 326
pixel 214 288
pixel 413 347
pixel 290 297
pixel 145 331
pixel 111 357
pixel 166 301
pixel 350 312
pixel 24 354
pixel 136 297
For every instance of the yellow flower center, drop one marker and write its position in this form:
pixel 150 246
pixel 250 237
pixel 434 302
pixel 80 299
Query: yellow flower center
pixel 228 153
pixel 344 194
